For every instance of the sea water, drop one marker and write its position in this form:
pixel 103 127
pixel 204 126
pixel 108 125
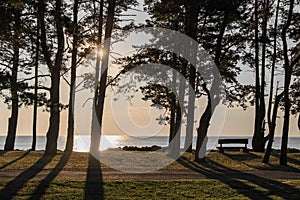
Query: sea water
pixel 82 142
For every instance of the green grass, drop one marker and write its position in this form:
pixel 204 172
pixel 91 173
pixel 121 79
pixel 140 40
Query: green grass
pixel 219 188
pixel 20 160
pixel 193 189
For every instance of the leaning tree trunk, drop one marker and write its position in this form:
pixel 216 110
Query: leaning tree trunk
pixel 213 100
pixel 104 72
pixel 273 66
pixel 203 126
pixel 272 128
pixel 287 81
pixel 272 122
pixel 13 120
pixel 95 132
pixel 70 136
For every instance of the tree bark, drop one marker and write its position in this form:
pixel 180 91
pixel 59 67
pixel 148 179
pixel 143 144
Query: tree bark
pixel 273 66
pixel 95 132
pixel 13 120
pixel 203 125
pixel 272 128
pixel 258 135
pixel 272 122
pixel 104 70
pixel 36 71
pixel 53 131
pixel 70 136
pixel 191 23
pixel 287 80
pixel 212 99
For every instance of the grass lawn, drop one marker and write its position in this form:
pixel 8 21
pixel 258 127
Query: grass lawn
pixel 234 160
pixel 52 187
pixel 178 189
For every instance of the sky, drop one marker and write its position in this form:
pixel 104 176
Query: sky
pixel 138 118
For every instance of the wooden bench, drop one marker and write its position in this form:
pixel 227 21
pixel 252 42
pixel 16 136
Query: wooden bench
pixel 232 141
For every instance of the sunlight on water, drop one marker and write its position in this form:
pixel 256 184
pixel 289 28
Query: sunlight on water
pixel 82 143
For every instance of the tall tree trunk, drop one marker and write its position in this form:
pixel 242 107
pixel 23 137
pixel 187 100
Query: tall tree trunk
pixel 173 104
pixel 35 104
pixel 95 130
pixel 262 108
pixel 191 24
pixel 257 139
pixel 53 131
pixel 272 122
pixel 13 120
pixel 287 81
pixel 272 128
pixel 212 100
pixel 104 68
pixel 70 136
pixel 203 126
pixel 273 66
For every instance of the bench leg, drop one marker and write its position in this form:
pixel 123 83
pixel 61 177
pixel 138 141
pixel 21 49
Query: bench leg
pixel 221 150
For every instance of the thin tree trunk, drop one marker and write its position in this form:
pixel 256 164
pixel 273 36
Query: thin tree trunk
pixel 273 66
pixel 70 136
pixel 272 128
pixel 35 105
pixel 262 108
pixel 104 67
pixel 95 130
pixel 13 120
pixel 173 105
pixel 203 126
pixel 272 122
pixel 256 140
pixel 287 81
pixel 191 30
pixel 53 131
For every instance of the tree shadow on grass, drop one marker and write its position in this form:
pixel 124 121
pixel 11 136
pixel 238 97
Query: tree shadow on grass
pixel 13 187
pixel 251 186
pixel 94 180
pixel 45 183
pixel 242 158
pixel 15 160
pixel 289 159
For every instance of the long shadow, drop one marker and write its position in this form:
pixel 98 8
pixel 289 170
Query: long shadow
pixel 236 180
pixel 273 167
pixel 45 183
pixel 94 180
pixel 232 182
pixel 15 160
pixel 290 160
pixel 11 189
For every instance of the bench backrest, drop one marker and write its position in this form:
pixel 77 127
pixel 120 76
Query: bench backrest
pixel 233 141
